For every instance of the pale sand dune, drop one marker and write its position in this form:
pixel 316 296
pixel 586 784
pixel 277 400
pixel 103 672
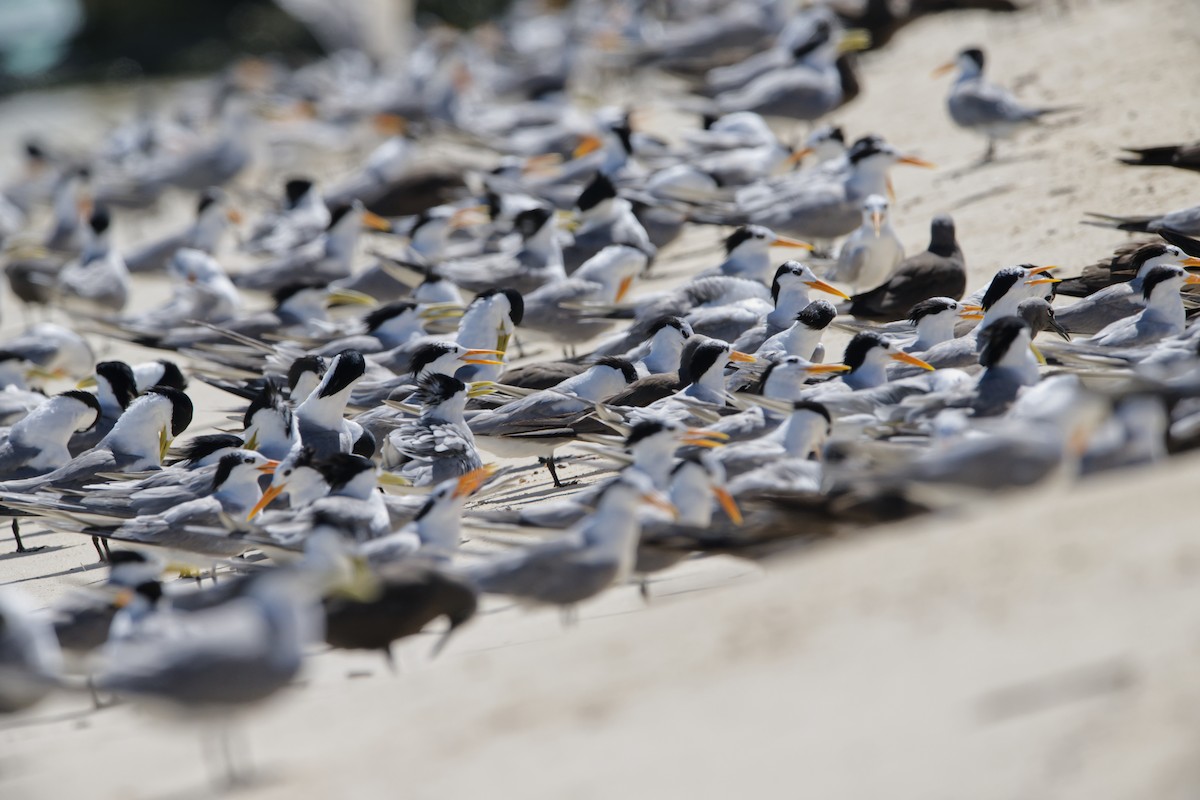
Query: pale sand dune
pixel 1016 650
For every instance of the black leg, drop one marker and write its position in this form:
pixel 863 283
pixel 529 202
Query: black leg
pixel 549 462
pixel 99 552
pixel 389 658
pixel 21 548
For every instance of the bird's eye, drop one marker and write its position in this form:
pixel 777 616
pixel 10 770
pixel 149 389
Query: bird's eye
pixel 286 473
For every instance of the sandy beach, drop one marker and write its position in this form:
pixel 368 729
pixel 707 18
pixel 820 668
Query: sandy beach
pixel 1032 649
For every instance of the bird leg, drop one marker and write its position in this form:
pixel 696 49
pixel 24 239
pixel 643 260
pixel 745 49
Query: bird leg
pixel 549 462
pixel 991 152
pixel 390 658
pixel 99 552
pixel 644 588
pixel 21 548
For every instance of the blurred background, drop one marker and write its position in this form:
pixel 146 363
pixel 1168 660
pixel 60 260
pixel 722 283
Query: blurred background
pixel 50 42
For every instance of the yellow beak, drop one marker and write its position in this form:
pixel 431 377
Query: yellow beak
pixel 348 297
pixel 1192 279
pixel 269 467
pixel 658 501
pixel 87 383
pixel 917 162
pixel 819 369
pixel 876 221
pixel 1041 359
pixel 390 124
pixel 854 40
pixel 234 216
pixel 164 443
pixel 1191 261
pixel 943 69
pixel 386 478
pixel 480 388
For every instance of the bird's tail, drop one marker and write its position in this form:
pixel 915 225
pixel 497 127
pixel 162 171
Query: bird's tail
pixel 1135 224
pixel 1150 156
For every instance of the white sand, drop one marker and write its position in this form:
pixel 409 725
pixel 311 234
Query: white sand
pixel 1019 650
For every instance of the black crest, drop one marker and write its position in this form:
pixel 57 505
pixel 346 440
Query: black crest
pixel 181 407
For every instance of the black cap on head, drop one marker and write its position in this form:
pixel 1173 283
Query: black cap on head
pixel 296 188
pixel 934 305
pixel 975 54
pixel 207 198
pixel 171 375
pixel 700 360
pixel 302 366
pixel 120 379
pixel 736 238
pixel 341 468
pixel 941 235
pixel 1145 253
pixel 996 339
pixel 226 465
pixel 865 147
pixel 516 302
pixel 426 354
pixel 1002 282
pixel 200 447
pixel 181 407
pixel 377 317
pixel 817 315
pixel 151 590
pixel 596 192
pixel 620 364
pixel 837 134
pixel 862 343
pixel 670 322
pixel 1158 275
pixel 348 366
pixel 270 397
pixel 337 212
pixel 531 220
pixel 786 268
pixel 644 430
pixel 816 408
pixel 437 388
pixel 100 220
pixel 89 400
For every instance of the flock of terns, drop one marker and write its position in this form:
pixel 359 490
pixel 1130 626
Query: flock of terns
pixel 343 499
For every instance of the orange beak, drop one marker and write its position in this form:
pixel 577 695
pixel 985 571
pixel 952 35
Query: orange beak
pixel 905 358
pixel 623 288
pixel 968 314
pixel 798 155
pixel 916 162
pixel 467 217
pixel 741 358
pixel 389 124
pixel 729 504
pixel 891 189
pixel 820 369
pixel 472 357
pixel 943 69
pixel 587 144
pixel 1040 270
pixel 970 307
pixel 376 222
pixel 268 468
pixel 268 496
pixel 469 483
pixel 701 437
pixel 658 501
pixel 876 221
pixel 822 286
pixel 1191 279
pixel 1191 261
pixel 784 241
pixel 234 216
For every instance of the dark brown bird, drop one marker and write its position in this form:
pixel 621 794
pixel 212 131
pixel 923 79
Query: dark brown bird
pixel 940 271
pixel 411 596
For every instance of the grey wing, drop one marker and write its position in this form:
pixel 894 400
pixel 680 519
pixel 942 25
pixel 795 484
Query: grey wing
pixel 556 572
pixel 987 104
